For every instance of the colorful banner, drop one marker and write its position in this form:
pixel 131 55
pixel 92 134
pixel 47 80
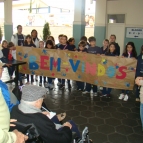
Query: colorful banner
pixel 106 71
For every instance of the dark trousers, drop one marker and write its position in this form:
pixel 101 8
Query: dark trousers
pixel 32 80
pixel 137 91
pixel 62 81
pixel 106 90
pixel 88 87
pixel 80 85
pixel 49 79
pixel 11 70
pixel 125 91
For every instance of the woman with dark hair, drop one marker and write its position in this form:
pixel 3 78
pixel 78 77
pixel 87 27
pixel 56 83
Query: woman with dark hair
pixel 52 39
pixel 130 52
pixel 35 39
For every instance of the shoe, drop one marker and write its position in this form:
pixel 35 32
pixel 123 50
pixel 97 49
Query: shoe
pixel 126 98
pixel 85 92
pixel 28 82
pixel 51 86
pixel 94 93
pixel 58 84
pixel 104 95
pixel 36 78
pixel 40 84
pixel 121 96
pixel 137 100
pixel 69 86
pixel 108 96
pixel 62 86
pixel 46 85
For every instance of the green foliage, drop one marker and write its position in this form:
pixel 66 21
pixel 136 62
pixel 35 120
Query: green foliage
pixel 30 9
pixel 46 31
pixel 1 34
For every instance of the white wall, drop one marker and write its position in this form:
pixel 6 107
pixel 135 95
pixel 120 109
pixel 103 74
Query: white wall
pixel 132 8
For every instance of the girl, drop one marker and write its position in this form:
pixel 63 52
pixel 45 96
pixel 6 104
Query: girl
pixel 81 48
pixel 49 45
pixel 105 46
pixel 34 35
pixel 52 39
pixel 41 45
pixel 130 52
pixel 64 46
pixel 111 52
pixel 71 43
pixel 5 50
pixel 29 43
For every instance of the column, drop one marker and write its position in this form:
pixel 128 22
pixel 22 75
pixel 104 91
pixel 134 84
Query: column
pixel 8 25
pixel 100 21
pixel 79 20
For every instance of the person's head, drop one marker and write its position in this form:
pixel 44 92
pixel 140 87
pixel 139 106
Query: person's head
pixel 34 33
pixel 19 29
pixel 130 48
pixel 81 45
pixel 106 43
pixel 28 39
pixel 4 44
pixel 112 48
pixel 142 49
pixel 112 38
pixel 92 41
pixel 1 69
pixel 91 21
pixel 83 38
pixel 33 95
pixel 41 44
pixel 64 39
pixel 71 41
pixel 51 38
pixel 11 46
pixel 49 44
pixel 60 38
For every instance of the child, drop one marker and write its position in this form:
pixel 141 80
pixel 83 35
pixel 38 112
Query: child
pixel 52 39
pixel 71 43
pixel 60 41
pixel 29 43
pixel 105 46
pixel 130 52
pixel 111 52
pixel 63 46
pixel 84 38
pixel 93 49
pixel 41 45
pixel 81 48
pixel 5 50
pixel 49 45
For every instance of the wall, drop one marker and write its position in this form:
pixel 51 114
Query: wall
pixel 134 16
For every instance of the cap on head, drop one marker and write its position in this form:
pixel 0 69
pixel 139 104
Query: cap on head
pixel 33 93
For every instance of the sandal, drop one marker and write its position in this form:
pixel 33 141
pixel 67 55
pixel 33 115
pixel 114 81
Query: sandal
pixel 61 116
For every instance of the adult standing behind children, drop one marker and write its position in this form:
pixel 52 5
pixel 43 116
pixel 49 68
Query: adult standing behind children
pixel 18 38
pixel 93 49
pixel 113 40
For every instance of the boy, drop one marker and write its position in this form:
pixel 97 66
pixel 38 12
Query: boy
pixel 113 40
pixel 60 41
pixel 105 46
pixel 81 48
pixel 93 49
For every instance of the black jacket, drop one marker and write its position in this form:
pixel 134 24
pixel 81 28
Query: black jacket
pixel 45 126
pixel 117 49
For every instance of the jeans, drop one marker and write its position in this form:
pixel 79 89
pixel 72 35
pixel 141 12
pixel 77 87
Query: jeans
pixel 80 85
pixel 106 90
pixel 88 87
pixel 62 81
pixel 49 79
pixel 141 113
pixel 32 80
pixel 125 91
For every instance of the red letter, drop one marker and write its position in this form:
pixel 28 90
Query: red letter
pixel 123 74
pixel 43 63
pixel 90 69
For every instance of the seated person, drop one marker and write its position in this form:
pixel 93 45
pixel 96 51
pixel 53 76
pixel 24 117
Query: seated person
pixel 29 111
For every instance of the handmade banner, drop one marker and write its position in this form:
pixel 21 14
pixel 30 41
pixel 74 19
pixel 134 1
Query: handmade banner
pixel 106 71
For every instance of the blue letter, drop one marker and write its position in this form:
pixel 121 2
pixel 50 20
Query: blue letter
pixel 74 67
pixel 55 64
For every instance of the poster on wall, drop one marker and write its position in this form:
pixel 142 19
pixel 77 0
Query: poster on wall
pixel 134 33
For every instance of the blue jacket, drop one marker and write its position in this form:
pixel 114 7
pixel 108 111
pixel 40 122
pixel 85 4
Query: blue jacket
pixel 6 95
pixel 139 68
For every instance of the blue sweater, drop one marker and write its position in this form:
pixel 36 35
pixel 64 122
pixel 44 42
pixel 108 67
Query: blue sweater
pixel 139 68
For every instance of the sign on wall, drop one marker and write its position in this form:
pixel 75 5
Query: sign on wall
pixel 106 71
pixel 134 33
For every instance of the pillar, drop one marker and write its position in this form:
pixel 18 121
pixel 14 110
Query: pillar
pixel 8 25
pixel 100 21
pixel 79 20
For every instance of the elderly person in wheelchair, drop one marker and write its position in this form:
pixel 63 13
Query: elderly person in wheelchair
pixel 29 111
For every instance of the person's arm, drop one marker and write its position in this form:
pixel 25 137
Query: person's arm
pixel 7 137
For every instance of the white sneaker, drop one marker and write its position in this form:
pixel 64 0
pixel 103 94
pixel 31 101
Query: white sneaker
pixel 85 92
pixel 51 86
pixel 105 95
pixel 58 84
pixel 46 85
pixel 121 96
pixel 94 93
pixel 126 98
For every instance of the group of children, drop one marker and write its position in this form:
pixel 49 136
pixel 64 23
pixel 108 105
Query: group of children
pixel 109 48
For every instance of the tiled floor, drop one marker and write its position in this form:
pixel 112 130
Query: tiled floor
pixel 108 120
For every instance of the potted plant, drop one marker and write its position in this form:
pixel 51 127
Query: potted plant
pixel 46 31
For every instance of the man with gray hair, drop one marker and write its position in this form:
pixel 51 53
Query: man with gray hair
pixel 29 111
